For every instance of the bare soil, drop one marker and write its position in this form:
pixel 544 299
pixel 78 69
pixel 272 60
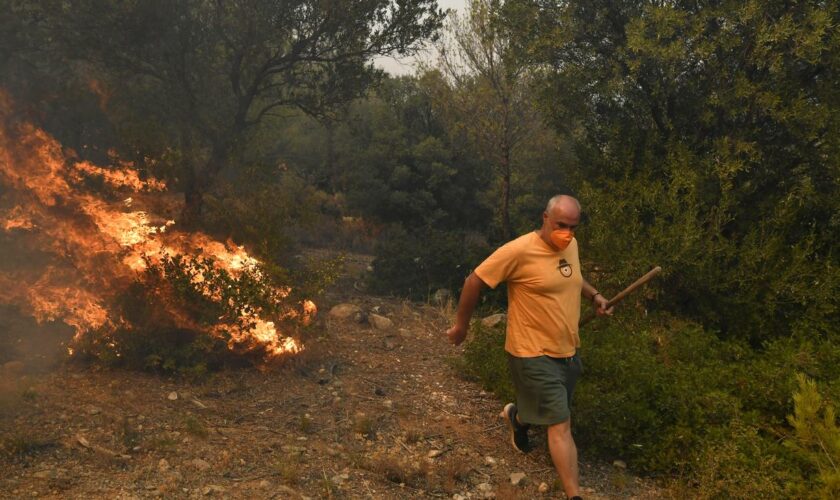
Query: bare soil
pixel 363 413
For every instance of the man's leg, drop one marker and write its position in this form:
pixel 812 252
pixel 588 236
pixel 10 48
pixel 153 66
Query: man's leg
pixel 564 455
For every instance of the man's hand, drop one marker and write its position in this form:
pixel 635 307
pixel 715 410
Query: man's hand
pixel 457 334
pixel 600 302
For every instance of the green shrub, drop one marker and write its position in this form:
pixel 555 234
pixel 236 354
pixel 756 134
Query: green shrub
pixel 415 264
pixel 815 441
pixel 744 464
pixel 670 397
pixel 486 360
pixel 262 208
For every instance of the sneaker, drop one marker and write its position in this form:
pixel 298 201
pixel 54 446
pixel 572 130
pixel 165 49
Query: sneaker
pixel 518 432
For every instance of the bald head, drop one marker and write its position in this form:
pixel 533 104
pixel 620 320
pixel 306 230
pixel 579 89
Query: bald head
pixel 565 201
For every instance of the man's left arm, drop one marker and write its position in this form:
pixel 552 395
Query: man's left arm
pixel 592 294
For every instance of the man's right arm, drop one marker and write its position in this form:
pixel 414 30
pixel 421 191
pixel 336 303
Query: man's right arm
pixel 466 305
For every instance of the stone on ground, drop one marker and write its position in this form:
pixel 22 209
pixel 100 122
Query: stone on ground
pixel 344 311
pixel 492 320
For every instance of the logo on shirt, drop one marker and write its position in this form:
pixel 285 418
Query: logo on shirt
pixel 565 268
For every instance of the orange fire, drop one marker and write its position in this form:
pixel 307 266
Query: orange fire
pixel 90 248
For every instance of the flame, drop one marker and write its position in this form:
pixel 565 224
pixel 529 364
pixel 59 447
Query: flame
pixel 94 248
pixel 16 218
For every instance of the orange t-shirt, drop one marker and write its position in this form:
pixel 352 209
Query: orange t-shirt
pixel 544 287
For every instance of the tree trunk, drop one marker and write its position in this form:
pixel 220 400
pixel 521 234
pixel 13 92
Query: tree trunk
pixel 505 167
pixel 330 160
pixel 196 185
pixel 193 201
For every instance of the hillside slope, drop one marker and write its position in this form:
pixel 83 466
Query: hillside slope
pixel 364 413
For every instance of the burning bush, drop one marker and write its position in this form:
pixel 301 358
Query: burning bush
pixel 134 290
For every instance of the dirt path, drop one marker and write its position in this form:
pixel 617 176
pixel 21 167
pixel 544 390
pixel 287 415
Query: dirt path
pixel 367 413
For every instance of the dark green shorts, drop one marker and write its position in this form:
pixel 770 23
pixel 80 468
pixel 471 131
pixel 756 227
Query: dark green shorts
pixel 544 387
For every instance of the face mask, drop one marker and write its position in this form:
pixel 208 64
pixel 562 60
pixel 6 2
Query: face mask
pixel 562 237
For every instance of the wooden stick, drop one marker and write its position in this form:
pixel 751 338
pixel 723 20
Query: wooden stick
pixel 624 293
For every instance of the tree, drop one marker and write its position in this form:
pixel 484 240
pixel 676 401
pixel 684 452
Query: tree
pixel 488 98
pixel 399 165
pixel 708 138
pixel 212 71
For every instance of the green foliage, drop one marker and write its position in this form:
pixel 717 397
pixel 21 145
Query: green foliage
pixel 263 207
pixel 669 397
pixel 315 275
pixel 485 358
pixel 415 264
pixel 198 78
pixel 396 169
pixel 485 93
pixel 815 440
pixel 707 138
pixel 743 465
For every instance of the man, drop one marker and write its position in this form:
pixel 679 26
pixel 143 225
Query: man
pixel 545 285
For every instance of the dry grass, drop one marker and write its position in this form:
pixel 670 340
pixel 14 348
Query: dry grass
pixel 414 436
pixel 195 427
pixel 289 468
pixel 453 474
pixel 365 426
pixel 397 470
pixel 305 424
pixel 24 443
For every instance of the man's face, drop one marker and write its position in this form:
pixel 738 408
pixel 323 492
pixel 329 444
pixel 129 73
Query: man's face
pixel 564 215
pixel 561 217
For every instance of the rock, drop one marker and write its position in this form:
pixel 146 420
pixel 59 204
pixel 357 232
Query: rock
pixel 620 464
pixel 173 396
pixel 200 464
pixel 340 478
pixel 388 404
pixel 517 478
pixel 435 453
pixel 490 461
pixel 44 474
pixel 458 496
pixel 82 441
pixel 379 391
pixel 441 296
pixel 360 317
pixel 543 488
pixel 163 465
pixel 93 410
pixel 485 490
pixel 265 484
pixel 344 311
pixel 380 322
pixel 213 490
pixel 493 320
